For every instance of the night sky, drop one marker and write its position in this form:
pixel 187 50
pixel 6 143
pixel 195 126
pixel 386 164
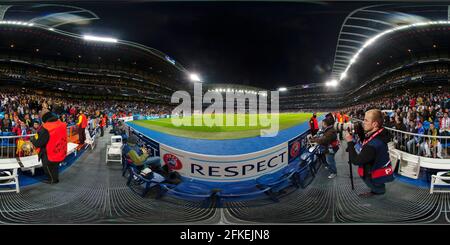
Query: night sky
pixel 262 44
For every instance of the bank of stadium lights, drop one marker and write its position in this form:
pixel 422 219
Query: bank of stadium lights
pixel 332 83
pixel 230 90
pixel 99 39
pixel 195 77
pixel 282 89
pixel 378 36
pixel 19 23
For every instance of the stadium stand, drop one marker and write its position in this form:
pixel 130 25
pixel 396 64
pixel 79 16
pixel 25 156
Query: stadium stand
pixel 128 80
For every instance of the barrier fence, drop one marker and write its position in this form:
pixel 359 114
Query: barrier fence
pixel 425 145
pixel 421 144
pixel 12 146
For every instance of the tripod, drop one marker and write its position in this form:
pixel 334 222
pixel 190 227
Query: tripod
pixel 351 174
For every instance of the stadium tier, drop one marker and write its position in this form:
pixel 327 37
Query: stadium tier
pixel 414 57
pixel 36 57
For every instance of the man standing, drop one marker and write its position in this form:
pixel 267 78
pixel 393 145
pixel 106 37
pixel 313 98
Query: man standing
pixel 313 124
pixel 374 164
pixel 81 125
pixel 330 142
pixel 51 139
pixel 340 127
pixel 102 124
pixel 36 126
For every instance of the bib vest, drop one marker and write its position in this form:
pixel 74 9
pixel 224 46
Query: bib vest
pixel 57 144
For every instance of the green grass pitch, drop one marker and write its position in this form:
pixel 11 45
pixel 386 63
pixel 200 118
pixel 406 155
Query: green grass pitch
pixel 165 125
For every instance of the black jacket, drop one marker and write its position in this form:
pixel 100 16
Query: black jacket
pixel 43 137
pixel 329 135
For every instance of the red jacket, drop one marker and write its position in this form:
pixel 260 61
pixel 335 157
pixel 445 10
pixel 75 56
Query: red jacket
pixel 73 111
pixel 84 122
pixel 313 124
pixel 103 122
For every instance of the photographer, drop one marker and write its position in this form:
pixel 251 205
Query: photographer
pixel 329 140
pixel 374 165
pixel 139 156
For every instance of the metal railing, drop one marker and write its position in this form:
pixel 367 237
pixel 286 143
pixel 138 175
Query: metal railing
pixel 432 146
pixel 145 142
pixel 13 146
pixel 421 144
pixel 16 146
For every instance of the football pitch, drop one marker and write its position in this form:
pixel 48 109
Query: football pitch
pixel 223 132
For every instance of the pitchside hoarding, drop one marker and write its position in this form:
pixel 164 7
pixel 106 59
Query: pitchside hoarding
pixel 126 119
pixel 233 168
pixel 295 147
pixel 227 168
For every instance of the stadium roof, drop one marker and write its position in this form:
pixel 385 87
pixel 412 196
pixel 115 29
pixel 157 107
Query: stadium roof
pixel 363 24
pixel 400 50
pixel 48 18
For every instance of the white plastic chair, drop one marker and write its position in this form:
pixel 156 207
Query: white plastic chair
pixel 114 151
pixel 10 167
pixel 116 141
pixel 438 179
pixel 90 141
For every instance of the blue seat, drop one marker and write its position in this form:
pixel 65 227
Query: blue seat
pixel 126 164
pixel 303 177
pixel 276 182
pixel 7 134
pixel 7 143
pixel 306 169
pixel 124 138
pixel 244 192
pixel 147 183
pixel 190 191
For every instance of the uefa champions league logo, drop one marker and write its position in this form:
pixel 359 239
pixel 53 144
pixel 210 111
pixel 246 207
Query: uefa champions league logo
pixel 214 113
pixel 172 161
pixel 295 149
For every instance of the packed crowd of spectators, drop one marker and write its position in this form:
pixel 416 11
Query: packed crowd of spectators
pixel 422 113
pixel 19 110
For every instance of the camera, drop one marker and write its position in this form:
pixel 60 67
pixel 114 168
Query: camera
pixel 358 130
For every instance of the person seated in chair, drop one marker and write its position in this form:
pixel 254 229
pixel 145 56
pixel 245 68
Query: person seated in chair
pixel 139 156
pixel 121 130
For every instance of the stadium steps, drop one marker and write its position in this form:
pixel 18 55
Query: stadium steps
pixel 333 201
pixel 93 192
